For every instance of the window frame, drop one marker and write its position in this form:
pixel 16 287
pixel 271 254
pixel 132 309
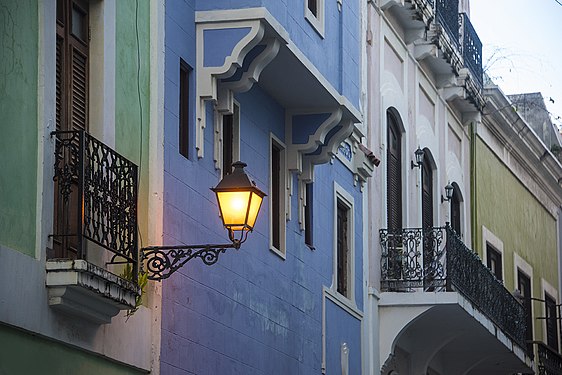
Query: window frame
pixel 520 266
pixel 277 200
pixel 309 216
pixel 317 21
pixel 490 239
pixel 343 198
pixel 494 255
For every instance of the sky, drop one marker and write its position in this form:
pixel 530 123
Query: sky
pixel 522 47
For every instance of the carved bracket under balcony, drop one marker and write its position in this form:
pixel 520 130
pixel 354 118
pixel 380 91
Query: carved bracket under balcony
pixel 234 56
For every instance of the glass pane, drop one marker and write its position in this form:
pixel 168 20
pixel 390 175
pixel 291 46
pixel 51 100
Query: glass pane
pixel 78 23
pixel 233 207
pixel 255 205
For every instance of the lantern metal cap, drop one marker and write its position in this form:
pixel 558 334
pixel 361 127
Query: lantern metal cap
pixel 238 180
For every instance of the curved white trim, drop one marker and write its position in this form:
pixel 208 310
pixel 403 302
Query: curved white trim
pixel 206 81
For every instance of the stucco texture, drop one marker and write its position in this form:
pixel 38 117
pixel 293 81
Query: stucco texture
pixel 18 126
pixel 516 217
pixel 132 81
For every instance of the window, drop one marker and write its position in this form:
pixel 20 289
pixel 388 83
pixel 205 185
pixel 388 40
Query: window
pixel 277 197
pixel 427 192
pixel 313 7
pixel 394 174
pixel 308 218
pixel 72 60
pixel 184 109
pixel 524 286
pixel 456 210
pixel 71 86
pixel 230 139
pixel 342 245
pixel 494 261
pixel 314 14
pixel 551 322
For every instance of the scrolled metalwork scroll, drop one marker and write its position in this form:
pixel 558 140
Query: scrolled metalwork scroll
pixel 162 261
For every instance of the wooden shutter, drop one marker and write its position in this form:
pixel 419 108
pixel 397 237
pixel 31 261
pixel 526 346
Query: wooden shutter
pixel 394 176
pixel 72 71
pixel 71 107
pixel 427 194
pixel 456 212
pixel 342 248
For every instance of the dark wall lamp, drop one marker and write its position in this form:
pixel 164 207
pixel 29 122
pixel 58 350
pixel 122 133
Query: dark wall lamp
pixel 449 190
pixel 419 158
pixel 239 202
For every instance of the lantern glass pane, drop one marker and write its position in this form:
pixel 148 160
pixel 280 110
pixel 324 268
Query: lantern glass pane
pixel 255 205
pixel 234 206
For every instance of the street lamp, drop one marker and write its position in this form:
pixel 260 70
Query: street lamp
pixel 239 203
pixel 419 158
pixel 449 190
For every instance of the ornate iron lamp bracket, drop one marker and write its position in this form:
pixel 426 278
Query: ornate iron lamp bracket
pixel 163 261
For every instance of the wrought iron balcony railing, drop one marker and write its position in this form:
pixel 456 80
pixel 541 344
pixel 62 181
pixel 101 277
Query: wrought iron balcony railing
pixel 471 49
pixel 436 259
pixel 95 199
pixel 447 15
pixel 550 361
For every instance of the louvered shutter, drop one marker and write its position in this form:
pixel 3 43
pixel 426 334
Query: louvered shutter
pixel 427 194
pixel 79 90
pixel 342 248
pixel 394 177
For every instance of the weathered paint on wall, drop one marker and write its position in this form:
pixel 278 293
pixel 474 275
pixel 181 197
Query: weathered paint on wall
pixel 132 98
pixel 252 312
pixel 18 125
pixel 50 358
pixel 518 219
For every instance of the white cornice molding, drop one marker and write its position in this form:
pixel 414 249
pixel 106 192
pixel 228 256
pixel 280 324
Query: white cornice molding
pixel 524 147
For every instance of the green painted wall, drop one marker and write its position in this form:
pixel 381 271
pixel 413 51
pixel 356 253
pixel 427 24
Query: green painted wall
pixel 50 357
pixel 517 218
pixel 132 86
pixel 18 124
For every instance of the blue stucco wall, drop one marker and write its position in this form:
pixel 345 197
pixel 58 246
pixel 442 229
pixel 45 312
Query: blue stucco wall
pixel 252 312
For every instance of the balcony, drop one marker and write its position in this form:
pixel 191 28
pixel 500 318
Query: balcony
pixel 549 361
pixel 447 44
pixel 95 229
pixel 440 288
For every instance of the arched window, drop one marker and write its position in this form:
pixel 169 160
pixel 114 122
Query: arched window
pixel 394 173
pixel 427 192
pixel 456 210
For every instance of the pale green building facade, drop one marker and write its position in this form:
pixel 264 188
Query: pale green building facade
pixel 516 215
pixel 40 331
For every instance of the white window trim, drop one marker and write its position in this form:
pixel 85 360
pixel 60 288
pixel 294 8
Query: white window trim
pixel 519 264
pixel 490 238
pixel 282 198
pixel 316 22
pixel 547 288
pixel 340 194
pixel 218 155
